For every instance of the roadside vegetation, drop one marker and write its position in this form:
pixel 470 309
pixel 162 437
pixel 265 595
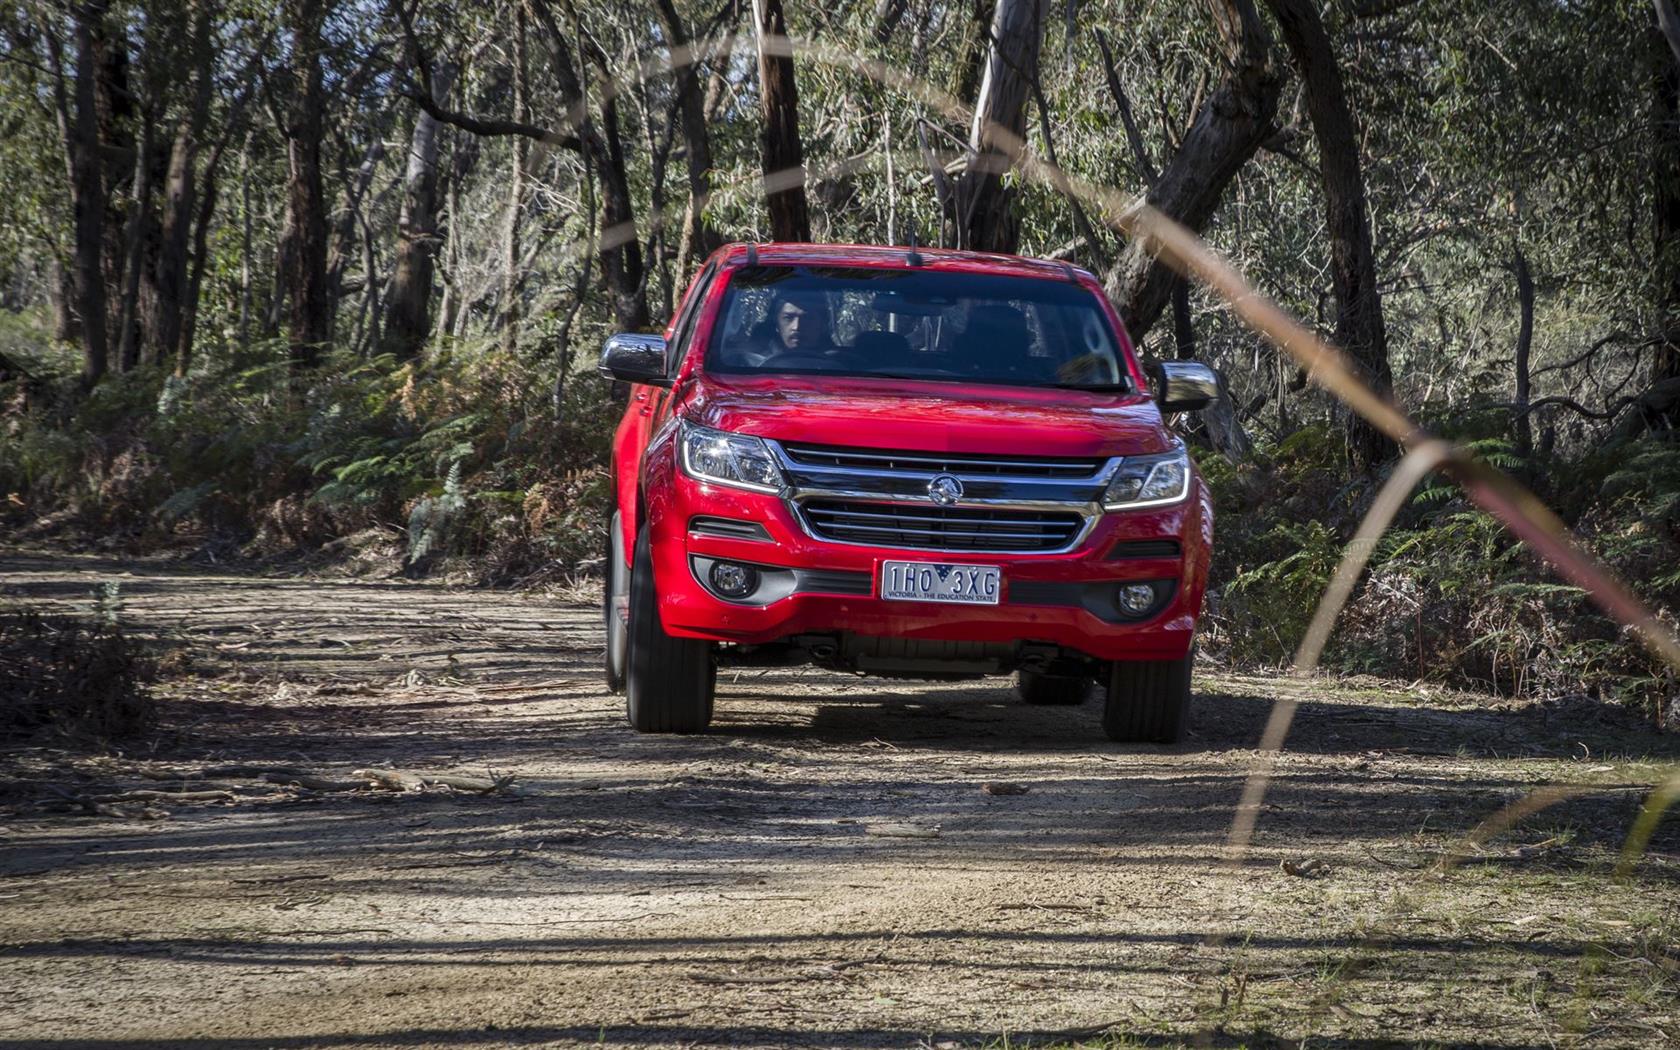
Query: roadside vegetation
pixel 72 680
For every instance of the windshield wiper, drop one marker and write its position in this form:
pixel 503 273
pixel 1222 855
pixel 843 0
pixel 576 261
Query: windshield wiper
pixel 1095 388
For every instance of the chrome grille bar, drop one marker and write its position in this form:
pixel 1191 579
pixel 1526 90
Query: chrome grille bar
pixel 880 498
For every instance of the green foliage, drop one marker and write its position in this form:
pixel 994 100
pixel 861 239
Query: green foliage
pixel 1449 595
pixel 1281 594
pixel 465 447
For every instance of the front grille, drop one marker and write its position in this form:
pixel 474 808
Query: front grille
pixel 927 527
pixel 863 459
pixel 833 581
pixel 1143 549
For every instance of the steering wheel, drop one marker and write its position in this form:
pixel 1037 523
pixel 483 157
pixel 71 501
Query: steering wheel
pixel 830 360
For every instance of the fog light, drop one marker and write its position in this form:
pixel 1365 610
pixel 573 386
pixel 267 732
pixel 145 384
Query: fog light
pixel 732 580
pixel 1137 598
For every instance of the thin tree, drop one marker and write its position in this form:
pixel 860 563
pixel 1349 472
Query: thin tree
pixel 167 304
pixel 1347 219
pixel 408 305
pixel 1664 49
pixel 88 194
pixel 307 291
pixel 984 218
pixel 784 160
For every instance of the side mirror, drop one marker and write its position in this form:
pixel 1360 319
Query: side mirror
pixel 1184 386
pixel 634 358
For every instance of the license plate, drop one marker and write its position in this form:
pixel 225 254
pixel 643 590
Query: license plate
pixel 921 581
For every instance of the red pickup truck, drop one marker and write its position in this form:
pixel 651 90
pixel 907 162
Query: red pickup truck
pixel 903 462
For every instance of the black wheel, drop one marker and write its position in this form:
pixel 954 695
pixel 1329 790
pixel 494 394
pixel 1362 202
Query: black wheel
pixel 669 681
pixel 1148 700
pixel 615 605
pixel 1051 690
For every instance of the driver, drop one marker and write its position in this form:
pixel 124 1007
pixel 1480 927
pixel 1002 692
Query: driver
pixel 798 327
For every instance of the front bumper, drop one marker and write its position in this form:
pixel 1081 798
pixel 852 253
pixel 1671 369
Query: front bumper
pixel 1029 580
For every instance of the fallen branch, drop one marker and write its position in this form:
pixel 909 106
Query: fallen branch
pixel 310 782
pixel 144 795
pixel 390 779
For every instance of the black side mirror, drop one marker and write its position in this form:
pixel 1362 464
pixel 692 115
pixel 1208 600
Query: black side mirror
pixel 1184 386
pixel 634 358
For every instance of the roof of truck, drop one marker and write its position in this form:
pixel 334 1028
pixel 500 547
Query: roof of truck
pixel 786 253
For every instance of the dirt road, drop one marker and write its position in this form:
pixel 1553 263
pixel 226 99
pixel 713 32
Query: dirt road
pixel 824 868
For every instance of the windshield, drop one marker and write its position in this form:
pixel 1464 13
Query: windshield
pixel 915 324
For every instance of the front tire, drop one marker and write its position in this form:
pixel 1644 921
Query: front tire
pixel 615 606
pixel 669 681
pixel 1148 700
pixel 1046 690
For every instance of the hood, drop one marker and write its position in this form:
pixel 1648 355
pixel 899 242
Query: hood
pixel 911 416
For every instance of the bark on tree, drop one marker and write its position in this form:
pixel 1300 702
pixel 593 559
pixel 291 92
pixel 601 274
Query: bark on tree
pixel 509 322
pixel 697 238
pixel 61 299
pixel 985 219
pixel 116 115
pixel 88 196
pixel 408 305
pixel 784 163
pixel 621 248
pixel 888 14
pixel 128 326
pixel 1665 196
pixel 167 304
pixel 1525 345
pixel 1230 126
pixel 308 295
pixel 1347 220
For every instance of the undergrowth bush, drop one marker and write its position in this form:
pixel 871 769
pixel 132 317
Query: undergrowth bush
pixel 78 681
pixel 1450 596
pixel 461 455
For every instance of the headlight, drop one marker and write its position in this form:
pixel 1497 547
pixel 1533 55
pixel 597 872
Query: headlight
pixel 728 459
pixel 1149 481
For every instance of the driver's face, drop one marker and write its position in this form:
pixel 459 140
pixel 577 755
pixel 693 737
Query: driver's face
pixel 791 325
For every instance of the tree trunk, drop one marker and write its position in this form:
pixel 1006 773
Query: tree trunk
pixel 1184 322
pixel 1665 200
pixel 1353 267
pixel 888 13
pixel 168 302
pixel 307 289
pixel 245 239
pixel 516 191
pixel 985 218
pixel 784 162
pixel 61 298
pixel 697 238
pixel 200 256
pixel 128 321
pixel 116 116
pixel 408 306
pixel 88 196
pixel 622 261
pixel 1525 344
pixel 1230 126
